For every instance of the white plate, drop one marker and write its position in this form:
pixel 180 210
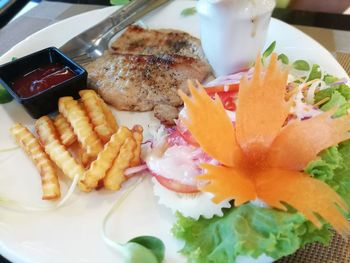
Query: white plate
pixel 72 234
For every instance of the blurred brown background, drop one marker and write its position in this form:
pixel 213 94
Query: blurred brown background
pixel 328 6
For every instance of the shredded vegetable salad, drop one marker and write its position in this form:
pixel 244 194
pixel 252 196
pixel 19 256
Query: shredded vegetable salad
pixel 310 92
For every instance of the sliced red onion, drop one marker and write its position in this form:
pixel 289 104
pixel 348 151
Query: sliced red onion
pixel 133 170
pixel 339 82
pixel 230 79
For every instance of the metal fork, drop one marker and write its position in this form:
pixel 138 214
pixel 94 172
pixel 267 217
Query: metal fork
pixel 92 43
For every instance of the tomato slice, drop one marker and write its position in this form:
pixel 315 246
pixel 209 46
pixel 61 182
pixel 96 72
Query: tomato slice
pixel 222 88
pixel 175 186
pixel 227 94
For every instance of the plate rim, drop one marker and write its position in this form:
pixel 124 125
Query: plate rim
pixel 4 251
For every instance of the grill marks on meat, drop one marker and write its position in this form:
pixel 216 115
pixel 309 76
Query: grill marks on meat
pixel 139 82
pixel 140 41
pixel 145 68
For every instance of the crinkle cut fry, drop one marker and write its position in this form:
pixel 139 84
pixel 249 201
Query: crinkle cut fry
pixel 115 175
pixel 109 115
pixel 65 131
pixel 55 149
pixel 31 145
pixel 261 109
pixel 93 106
pixel 81 125
pixel 207 121
pixel 137 131
pixel 105 159
pixel 305 139
pixel 304 193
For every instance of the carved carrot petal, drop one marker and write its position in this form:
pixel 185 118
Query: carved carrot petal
pixel 301 141
pixel 306 194
pixel 228 183
pixel 210 126
pixel 261 109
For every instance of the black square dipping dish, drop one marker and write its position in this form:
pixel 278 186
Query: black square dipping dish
pixel 38 80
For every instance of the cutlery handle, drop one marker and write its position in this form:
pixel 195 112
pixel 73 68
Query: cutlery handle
pixel 133 12
pixel 130 13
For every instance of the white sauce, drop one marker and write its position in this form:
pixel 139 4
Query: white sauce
pixel 176 163
pixel 233 31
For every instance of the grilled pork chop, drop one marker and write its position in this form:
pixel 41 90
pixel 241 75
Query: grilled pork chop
pixel 140 41
pixel 140 82
pixel 145 68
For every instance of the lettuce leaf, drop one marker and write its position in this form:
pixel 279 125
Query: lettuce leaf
pixel 343 89
pixel 246 230
pixel 339 101
pixel 333 168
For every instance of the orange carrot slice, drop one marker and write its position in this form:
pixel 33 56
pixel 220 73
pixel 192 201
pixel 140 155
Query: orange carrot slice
pixel 308 195
pixel 210 125
pixel 228 183
pixel 261 109
pixel 301 141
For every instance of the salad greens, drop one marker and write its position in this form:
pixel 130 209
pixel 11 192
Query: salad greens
pixel 315 73
pixel 283 58
pixel 301 65
pixel 332 168
pixel 246 230
pixel 342 89
pixel 269 50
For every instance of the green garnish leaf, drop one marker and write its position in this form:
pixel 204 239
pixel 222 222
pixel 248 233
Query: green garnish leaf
pixel 13 58
pixel 189 11
pixel 246 230
pixel 343 89
pixel 269 50
pixel 338 101
pixel 301 65
pixel 284 59
pixel 315 72
pixel 329 79
pixel 333 168
pixel 119 2
pixel 5 97
pixel 153 244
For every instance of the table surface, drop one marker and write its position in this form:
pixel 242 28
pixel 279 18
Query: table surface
pixel 332 31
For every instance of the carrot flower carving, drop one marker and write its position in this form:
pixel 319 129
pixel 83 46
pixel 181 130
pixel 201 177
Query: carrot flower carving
pixel 259 157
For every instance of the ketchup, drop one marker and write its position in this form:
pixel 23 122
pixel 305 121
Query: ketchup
pixel 41 79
